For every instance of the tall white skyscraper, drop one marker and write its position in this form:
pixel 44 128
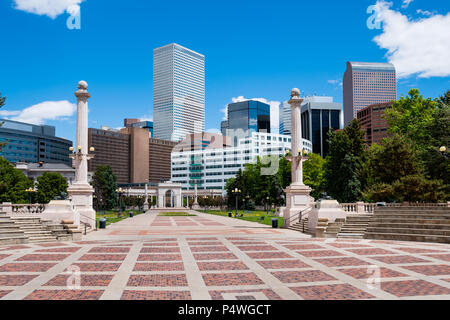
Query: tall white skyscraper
pixel 178 92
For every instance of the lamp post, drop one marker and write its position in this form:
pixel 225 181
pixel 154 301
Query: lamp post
pixel 267 204
pixel 204 202
pixel 236 192
pixel 30 192
pixel 443 151
pixel 120 191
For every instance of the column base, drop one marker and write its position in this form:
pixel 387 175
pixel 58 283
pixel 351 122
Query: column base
pixel 298 199
pixel 81 199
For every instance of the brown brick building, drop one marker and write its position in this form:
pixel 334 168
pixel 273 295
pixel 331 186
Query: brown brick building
pixel 373 122
pixel 133 156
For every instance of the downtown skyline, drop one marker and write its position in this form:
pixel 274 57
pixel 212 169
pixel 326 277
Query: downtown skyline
pixel 113 52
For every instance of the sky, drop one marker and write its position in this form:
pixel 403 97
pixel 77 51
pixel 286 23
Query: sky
pixel 253 49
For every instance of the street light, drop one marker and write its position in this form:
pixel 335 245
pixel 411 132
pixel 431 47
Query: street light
pixel 267 204
pixel 204 202
pixel 236 191
pixel 30 192
pixel 120 191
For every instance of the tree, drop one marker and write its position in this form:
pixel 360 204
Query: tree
pixel 13 183
pixel 104 183
pixel 394 160
pixel 49 186
pixel 411 116
pixel 313 174
pixel 344 163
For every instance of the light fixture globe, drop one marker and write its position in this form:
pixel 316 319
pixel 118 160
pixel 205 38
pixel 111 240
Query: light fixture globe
pixel 443 149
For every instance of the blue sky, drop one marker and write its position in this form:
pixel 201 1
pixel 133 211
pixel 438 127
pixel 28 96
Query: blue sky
pixel 255 49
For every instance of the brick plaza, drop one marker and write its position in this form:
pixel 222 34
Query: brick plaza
pixel 211 257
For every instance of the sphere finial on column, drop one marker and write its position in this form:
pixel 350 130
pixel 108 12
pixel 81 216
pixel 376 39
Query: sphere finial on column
pixel 82 85
pixel 295 93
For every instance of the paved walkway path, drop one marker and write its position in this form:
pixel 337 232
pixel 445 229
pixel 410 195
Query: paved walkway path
pixel 213 257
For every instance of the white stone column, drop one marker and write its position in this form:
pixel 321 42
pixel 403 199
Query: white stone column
pixel 195 205
pixel 298 196
pixel 146 198
pixel 80 192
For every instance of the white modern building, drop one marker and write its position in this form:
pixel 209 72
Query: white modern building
pixel 178 92
pixel 210 167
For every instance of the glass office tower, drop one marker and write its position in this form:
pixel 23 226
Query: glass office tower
pixel 247 117
pixel 319 116
pixel 178 92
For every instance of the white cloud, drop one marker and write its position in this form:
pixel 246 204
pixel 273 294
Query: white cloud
pixel 39 113
pixel 51 8
pixel 418 47
pixel 335 82
pixel 274 111
pixel 425 12
pixel 406 3
pixel 146 118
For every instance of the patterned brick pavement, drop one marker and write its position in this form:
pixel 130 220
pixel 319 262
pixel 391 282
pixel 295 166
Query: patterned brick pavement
pixel 181 263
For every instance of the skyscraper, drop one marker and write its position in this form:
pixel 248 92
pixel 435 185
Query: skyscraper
pixel 178 92
pixel 365 84
pixel 285 118
pixel 319 116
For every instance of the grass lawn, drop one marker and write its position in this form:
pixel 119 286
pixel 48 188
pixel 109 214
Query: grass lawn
pixel 253 216
pixel 176 214
pixel 111 216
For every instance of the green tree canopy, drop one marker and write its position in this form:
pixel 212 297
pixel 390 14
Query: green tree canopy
pixel 13 183
pixel 49 186
pixel 313 174
pixel 104 183
pixel 343 167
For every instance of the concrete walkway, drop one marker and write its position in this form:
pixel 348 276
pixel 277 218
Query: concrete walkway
pixel 213 257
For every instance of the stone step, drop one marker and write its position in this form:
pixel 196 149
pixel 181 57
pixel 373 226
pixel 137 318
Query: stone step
pixel 439 232
pixel 414 208
pixel 411 216
pixel 13 240
pixel 351 235
pixel 407 237
pixel 411 221
pixel 424 226
pixel 11 233
pixel 42 239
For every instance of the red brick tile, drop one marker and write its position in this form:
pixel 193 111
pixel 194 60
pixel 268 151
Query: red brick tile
pixel 342 262
pixel 109 250
pixel 209 249
pixel 4 256
pixel 161 244
pixel 26 267
pixel 218 294
pixel 302 276
pixel 331 292
pixel 431 270
pixel 257 248
pixel 268 255
pixel 204 243
pixel 370 251
pixel 52 244
pixel 231 279
pixel 221 266
pixel 65 249
pixel 160 257
pixel 155 295
pixel 320 253
pixel 15 280
pixel 98 267
pixel 159 266
pixel 215 256
pixel 443 257
pixel 349 245
pixel 413 288
pixel 97 280
pixel 160 249
pixel 103 257
pixel 10 248
pixel 419 250
pixel 65 295
pixel 283 264
pixel 158 280
pixel 302 246
pixel 399 259
pixel 43 257
pixel 4 293
pixel 365 273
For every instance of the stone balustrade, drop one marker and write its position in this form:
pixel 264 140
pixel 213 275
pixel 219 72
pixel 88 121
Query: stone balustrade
pixel 26 210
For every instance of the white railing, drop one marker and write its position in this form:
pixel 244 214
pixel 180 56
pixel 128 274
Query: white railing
pixel 32 210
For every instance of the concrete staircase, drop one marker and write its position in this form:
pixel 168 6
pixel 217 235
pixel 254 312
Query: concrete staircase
pixel 424 224
pixel 10 233
pixel 34 230
pixel 301 226
pixel 333 228
pixel 355 226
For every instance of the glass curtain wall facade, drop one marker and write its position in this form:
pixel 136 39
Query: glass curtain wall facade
pixel 178 92
pixel 318 118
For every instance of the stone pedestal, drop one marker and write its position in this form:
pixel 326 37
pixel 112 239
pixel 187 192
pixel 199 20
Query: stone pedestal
pixel 81 196
pixel 297 200
pixel 325 209
pixel 58 211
